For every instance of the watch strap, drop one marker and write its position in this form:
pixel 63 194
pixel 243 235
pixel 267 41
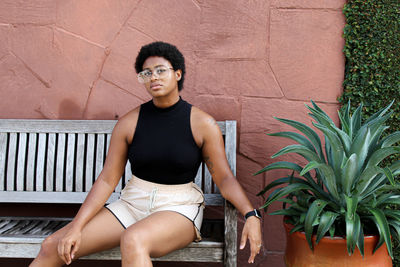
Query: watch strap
pixel 254 212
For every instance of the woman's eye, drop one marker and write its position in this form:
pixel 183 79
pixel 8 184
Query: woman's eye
pixel 159 71
pixel 147 74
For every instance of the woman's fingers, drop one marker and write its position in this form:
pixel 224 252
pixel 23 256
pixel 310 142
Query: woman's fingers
pixel 75 249
pixel 62 247
pixel 66 249
pixel 255 247
pixel 252 231
pixel 243 239
pixel 67 252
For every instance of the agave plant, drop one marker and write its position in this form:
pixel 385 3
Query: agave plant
pixel 344 190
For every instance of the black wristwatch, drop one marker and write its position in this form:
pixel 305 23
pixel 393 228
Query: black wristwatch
pixel 254 212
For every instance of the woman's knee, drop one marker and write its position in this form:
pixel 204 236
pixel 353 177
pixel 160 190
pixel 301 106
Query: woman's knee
pixel 49 247
pixel 133 241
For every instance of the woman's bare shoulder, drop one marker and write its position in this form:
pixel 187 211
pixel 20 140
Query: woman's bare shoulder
pixel 199 114
pixel 133 114
pixel 126 125
pixel 204 121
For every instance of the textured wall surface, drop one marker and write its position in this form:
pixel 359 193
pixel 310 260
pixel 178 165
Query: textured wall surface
pixel 247 60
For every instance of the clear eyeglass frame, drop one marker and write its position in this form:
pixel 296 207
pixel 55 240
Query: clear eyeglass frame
pixel 159 71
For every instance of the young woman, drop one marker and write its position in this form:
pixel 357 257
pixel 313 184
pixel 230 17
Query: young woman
pixel 160 209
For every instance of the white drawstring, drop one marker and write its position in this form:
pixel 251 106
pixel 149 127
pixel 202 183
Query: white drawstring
pixel 153 197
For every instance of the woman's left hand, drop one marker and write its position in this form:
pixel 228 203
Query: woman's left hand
pixel 252 231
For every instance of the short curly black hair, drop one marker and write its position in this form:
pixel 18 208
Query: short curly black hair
pixel 165 50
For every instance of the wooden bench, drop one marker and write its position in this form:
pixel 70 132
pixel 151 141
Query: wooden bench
pixel 57 161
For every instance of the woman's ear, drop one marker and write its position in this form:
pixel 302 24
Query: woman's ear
pixel 178 75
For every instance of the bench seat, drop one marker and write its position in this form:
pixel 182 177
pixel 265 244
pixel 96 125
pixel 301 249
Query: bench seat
pixel 21 237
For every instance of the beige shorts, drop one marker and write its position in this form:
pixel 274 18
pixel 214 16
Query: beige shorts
pixel 141 198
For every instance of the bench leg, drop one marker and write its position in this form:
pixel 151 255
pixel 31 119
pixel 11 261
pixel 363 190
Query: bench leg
pixel 230 251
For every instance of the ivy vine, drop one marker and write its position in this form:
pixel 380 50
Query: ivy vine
pixel 372 52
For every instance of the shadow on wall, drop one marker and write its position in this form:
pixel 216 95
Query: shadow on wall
pixel 69 110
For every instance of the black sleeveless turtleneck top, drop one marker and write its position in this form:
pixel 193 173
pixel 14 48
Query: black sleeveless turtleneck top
pixel 163 149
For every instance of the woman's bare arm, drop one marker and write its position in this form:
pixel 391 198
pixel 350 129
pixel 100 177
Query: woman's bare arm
pixel 208 135
pixel 108 178
pixel 103 187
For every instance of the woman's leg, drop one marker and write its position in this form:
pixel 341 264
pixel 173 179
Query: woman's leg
pixel 155 236
pixel 102 232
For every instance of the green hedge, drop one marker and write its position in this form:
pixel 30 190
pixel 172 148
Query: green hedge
pixel 372 51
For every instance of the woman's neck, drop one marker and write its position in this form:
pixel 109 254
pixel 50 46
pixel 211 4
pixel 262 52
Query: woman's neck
pixel 165 102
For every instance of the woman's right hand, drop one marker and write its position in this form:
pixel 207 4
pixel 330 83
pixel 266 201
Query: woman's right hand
pixel 69 244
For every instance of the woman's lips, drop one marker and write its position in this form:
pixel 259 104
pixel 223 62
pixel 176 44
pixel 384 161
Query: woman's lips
pixel 155 86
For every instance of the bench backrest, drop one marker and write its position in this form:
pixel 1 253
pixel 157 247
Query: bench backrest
pixel 57 161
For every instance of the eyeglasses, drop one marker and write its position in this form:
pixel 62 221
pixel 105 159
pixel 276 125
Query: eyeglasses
pixel 159 71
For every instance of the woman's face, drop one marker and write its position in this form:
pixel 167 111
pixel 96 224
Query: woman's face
pixel 164 80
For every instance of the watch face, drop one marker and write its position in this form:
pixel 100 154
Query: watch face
pixel 258 214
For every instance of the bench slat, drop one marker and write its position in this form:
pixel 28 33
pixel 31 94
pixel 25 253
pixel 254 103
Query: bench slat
pixel 51 227
pixel 4 222
pixel 61 142
pixel 17 229
pixel 47 197
pixel 57 126
pixel 30 170
pixel 197 179
pixel 205 251
pixel 8 226
pixel 230 145
pixel 89 161
pixel 229 210
pixel 29 226
pixel 40 162
pixel 11 161
pixel 65 126
pixel 3 152
pixel 207 181
pixel 75 197
pixel 69 173
pixel 21 161
pixel 39 228
pixel 80 160
pixel 99 154
pixel 51 155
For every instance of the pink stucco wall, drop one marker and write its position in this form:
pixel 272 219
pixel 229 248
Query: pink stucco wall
pixel 246 61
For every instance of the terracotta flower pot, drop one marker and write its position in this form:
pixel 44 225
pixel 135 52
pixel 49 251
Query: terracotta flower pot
pixel 332 252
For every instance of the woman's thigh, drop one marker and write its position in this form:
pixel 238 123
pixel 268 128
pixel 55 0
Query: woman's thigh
pixel 102 232
pixel 162 232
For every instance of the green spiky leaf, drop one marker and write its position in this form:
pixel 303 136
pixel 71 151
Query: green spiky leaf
pixel 315 209
pixel 325 223
pixel 349 172
pixel 307 131
pixel 383 228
